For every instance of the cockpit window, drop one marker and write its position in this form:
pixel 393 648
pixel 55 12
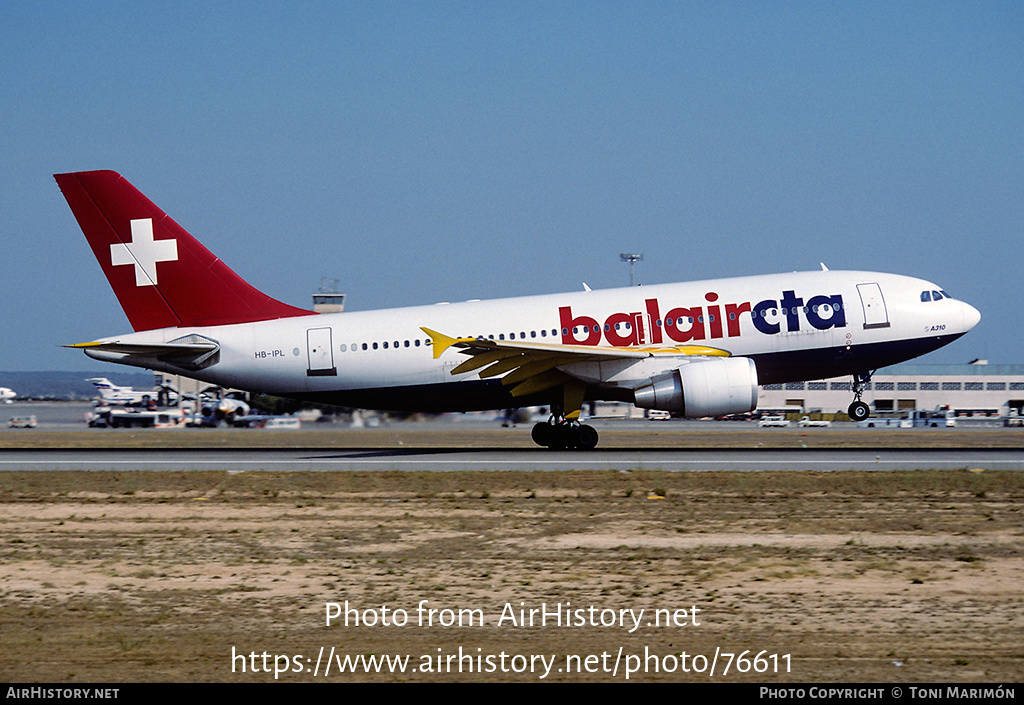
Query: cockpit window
pixel 934 295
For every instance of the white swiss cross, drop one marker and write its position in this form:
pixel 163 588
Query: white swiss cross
pixel 144 252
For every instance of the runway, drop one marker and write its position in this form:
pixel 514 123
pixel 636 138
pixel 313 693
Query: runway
pixel 518 459
pixel 456 443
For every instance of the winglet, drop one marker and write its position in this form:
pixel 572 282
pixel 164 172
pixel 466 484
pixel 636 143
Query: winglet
pixel 442 342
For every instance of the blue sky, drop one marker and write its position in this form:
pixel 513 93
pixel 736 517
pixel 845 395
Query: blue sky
pixel 434 151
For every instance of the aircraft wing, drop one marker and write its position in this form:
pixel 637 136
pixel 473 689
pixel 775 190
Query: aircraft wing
pixel 534 367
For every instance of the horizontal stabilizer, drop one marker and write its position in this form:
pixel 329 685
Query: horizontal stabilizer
pixel 190 352
pixel 152 350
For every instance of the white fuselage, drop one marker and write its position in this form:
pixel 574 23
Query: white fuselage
pixel 797 326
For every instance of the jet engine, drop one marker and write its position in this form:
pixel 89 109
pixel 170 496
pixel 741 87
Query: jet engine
pixel 703 388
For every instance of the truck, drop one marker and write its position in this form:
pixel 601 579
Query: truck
pixel 773 421
pixel 808 422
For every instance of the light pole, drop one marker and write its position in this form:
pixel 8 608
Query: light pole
pixel 631 258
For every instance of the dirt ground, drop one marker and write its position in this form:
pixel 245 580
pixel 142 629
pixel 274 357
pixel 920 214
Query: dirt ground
pixel 768 577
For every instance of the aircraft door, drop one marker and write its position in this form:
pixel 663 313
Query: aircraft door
pixel 320 352
pixel 875 315
pixel 643 324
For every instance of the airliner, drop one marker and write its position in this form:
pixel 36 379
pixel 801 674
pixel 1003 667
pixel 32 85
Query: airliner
pixel 7 394
pixel 697 349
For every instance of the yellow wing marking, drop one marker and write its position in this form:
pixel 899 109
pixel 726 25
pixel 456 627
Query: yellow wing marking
pixel 533 367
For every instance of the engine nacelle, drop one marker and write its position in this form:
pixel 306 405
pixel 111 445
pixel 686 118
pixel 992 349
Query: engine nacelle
pixel 703 388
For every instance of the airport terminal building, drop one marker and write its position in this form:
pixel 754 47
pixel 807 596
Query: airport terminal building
pixel 976 389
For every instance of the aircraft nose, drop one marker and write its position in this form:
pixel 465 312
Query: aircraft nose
pixel 972 316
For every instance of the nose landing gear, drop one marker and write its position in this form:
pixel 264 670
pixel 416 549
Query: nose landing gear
pixel 858 410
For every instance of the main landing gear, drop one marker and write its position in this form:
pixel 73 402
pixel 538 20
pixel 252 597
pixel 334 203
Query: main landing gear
pixel 558 433
pixel 858 410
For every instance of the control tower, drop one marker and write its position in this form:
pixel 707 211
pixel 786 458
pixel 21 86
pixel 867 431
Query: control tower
pixel 327 299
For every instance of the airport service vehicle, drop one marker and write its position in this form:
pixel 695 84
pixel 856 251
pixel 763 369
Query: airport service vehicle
pixel 939 418
pixel 119 417
pixel 886 422
pixel 773 421
pixel 26 421
pixel 698 349
pixel 808 422
pixel 282 422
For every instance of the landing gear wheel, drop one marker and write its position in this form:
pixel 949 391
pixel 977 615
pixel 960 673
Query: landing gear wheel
pixel 584 437
pixel 561 437
pixel 542 434
pixel 859 411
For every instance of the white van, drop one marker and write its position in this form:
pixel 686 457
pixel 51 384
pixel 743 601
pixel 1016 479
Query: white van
pixel 28 421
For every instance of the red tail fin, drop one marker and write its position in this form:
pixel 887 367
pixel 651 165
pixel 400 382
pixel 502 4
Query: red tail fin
pixel 161 275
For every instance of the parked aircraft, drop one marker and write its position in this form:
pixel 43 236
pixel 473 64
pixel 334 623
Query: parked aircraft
pixel 698 349
pixel 7 394
pixel 111 393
